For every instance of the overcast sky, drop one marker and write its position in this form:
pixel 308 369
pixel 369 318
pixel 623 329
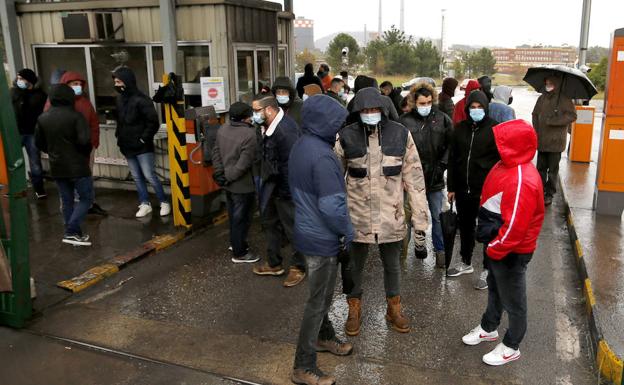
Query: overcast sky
pixel 479 22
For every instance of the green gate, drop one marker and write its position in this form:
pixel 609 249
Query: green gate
pixel 15 307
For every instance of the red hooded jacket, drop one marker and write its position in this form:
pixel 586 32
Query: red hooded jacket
pixel 512 199
pixel 83 105
pixel 459 113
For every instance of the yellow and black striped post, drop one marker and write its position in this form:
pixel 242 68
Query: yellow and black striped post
pixel 178 161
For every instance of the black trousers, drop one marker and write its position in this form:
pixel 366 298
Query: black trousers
pixel 279 218
pixel 467 212
pixel 507 291
pixel 240 212
pixel 316 324
pixel 548 167
pixel 390 257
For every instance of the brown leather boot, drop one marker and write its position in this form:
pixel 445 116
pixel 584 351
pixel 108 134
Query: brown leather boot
pixel 309 377
pixel 399 322
pixel 352 326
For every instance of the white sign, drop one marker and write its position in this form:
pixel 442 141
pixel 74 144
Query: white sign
pixel 616 134
pixel 584 116
pixel 213 92
pixel 620 56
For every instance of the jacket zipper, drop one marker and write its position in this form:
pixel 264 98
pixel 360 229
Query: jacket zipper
pixel 468 162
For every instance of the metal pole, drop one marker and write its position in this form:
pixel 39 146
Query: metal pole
pixel 584 32
pixel 8 19
pixel 168 34
pixel 379 25
pixel 402 23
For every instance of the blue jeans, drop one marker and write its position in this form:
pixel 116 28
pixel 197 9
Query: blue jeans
pixel 143 167
pixel 435 200
pixel 74 213
pixel 240 211
pixel 34 161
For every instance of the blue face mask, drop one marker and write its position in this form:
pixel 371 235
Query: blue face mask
pixel 257 118
pixel 282 99
pixel 477 114
pixel 371 119
pixel 424 111
pixel 341 93
pixel 77 90
pixel 21 84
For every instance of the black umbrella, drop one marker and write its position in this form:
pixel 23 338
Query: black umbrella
pixel 448 221
pixel 574 83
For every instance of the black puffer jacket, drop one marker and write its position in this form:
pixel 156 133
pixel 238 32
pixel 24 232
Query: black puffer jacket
pixel 293 107
pixel 432 135
pixel 473 150
pixel 64 135
pixel 137 121
pixel 28 105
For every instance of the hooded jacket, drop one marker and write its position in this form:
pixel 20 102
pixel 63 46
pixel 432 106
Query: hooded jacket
pixel 137 121
pixel 83 105
pixel 499 106
pixel 316 179
pixel 512 201
pixel 432 135
pixel 381 163
pixel 308 78
pixel 293 107
pixel 459 113
pixel 552 115
pixel 473 151
pixel 276 147
pixel 445 101
pixel 361 82
pixel 63 134
pixel 28 104
pixel 486 86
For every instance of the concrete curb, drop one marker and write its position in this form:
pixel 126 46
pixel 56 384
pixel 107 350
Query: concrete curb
pixel 118 262
pixel 609 364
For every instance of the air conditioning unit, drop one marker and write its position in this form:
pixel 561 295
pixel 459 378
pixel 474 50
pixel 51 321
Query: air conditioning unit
pixel 92 26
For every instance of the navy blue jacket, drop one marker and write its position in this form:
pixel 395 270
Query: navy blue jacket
pixel 275 151
pixel 316 180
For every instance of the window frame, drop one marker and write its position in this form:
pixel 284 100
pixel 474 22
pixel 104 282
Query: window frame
pixel 254 48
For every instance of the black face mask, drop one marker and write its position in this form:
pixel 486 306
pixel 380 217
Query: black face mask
pixel 321 74
pixel 510 100
pixel 120 89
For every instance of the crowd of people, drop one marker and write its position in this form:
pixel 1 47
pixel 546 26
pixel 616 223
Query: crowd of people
pixel 333 178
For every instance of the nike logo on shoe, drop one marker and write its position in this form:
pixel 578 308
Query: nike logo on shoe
pixel 507 358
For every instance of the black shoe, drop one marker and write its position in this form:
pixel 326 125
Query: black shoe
pixel 420 252
pixel 97 210
pixel 41 195
pixel 547 200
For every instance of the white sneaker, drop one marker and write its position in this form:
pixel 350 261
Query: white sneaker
pixel 481 283
pixel 144 209
pixel 460 269
pixel 165 209
pixel 478 335
pixel 501 355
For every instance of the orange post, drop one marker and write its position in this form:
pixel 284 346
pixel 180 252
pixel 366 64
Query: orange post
pixel 582 134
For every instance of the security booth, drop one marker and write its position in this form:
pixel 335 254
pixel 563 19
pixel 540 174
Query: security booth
pixel 609 193
pixel 245 43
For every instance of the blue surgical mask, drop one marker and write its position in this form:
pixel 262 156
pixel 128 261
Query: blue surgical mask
pixel 371 119
pixel 477 114
pixel 21 84
pixel 257 118
pixel 424 111
pixel 282 99
pixel 305 97
pixel 77 90
pixel 341 93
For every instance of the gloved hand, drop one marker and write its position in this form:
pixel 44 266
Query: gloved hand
pixel 420 250
pixel 219 178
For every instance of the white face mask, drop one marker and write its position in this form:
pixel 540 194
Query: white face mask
pixel 21 84
pixel 282 99
pixel 305 97
pixel 549 88
pixel 424 111
pixel 257 118
pixel 371 119
pixel 77 90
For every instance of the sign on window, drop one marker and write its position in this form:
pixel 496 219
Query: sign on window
pixel 213 92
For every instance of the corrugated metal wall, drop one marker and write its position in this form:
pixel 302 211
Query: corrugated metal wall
pixel 250 25
pixel 141 25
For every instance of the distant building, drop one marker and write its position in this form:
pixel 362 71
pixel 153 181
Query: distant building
pixel 509 59
pixel 304 34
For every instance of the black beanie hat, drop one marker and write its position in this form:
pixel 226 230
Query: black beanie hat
pixel 240 111
pixel 28 75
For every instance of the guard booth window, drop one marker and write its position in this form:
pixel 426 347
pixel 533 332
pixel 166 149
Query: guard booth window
pixel 254 69
pixel 49 67
pixel 281 62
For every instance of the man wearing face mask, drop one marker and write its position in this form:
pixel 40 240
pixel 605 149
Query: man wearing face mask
pixel 137 123
pixel 311 90
pixel 28 102
pixel 552 116
pixel 336 91
pixel 325 76
pixel 382 162
pixel 287 99
pixel 83 105
pixel 431 130
pixel 232 158
pixel 276 205
pixel 499 106
pixel 473 154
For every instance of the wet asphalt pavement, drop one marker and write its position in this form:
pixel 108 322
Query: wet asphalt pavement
pixel 189 316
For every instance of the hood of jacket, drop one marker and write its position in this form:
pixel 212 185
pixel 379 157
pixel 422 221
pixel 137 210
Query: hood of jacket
pixel 502 94
pixel 516 141
pixel 425 85
pixel 323 117
pixel 472 86
pixel 61 95
pixel 363 81
pixel 308 70
pixel 71 76
pixel 486 83
pixel 127 76
pixel 449 85
pixel 369 97
pixel 477 96
pixel 284 82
